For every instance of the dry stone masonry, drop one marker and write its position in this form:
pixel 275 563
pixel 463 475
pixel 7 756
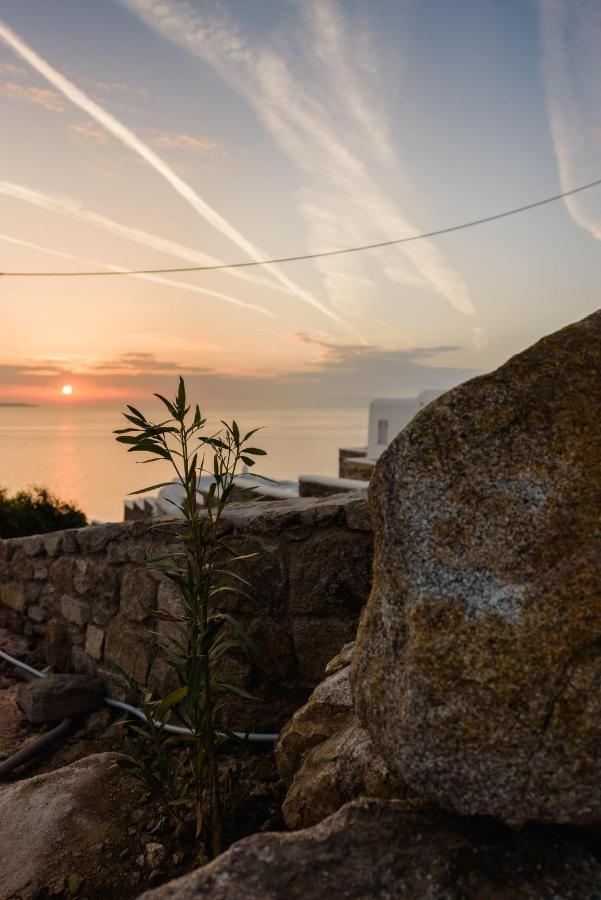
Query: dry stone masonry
pixel 85 594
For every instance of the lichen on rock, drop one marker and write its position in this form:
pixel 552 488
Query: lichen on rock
pixel 478 658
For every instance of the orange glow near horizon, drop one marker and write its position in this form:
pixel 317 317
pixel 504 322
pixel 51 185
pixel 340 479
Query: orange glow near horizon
pixel 84 393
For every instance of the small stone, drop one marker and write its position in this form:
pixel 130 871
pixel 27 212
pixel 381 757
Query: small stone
pixel 37 614
pixel 40 571
pixel 138 593
pixel 13 596
pixel 74 882
pixel 57 645
pixel 53 542
pixel 61 573
pixel 33 545
pixel 59 696
pixel 155 855
pixel 75 610
pixel 94 641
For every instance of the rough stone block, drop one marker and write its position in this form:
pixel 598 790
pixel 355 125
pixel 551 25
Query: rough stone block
pixel 57 645
pixel 21 565
pixel 162 678
pixel 82 663
pixel 130 648
pixel 58 697
pixel 94 538
pixel 138 593
pixel 13 596
pixel 37 613
pixel 53 542
pixel 358 516
pixel 104 608
pixel 94 641
pixel 34 545
pixel 61 573
pixel 330 573
pixel 40 570
pixel 316 641
pixel 75 609
pixel 169 597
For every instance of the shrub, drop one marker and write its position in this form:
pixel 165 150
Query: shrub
pixel 183 770
pixel 36 511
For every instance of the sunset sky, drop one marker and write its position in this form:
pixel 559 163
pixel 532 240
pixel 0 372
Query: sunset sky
pixel 160 133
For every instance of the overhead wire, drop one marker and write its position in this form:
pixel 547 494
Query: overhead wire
pixel 319 255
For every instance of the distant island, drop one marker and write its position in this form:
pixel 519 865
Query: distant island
pixel 18 404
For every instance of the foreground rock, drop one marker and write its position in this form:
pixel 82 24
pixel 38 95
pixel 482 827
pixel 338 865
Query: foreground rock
pixel 478 659
pixel 375 849
pixel 59 696
pixel 67 828
pixel 325 757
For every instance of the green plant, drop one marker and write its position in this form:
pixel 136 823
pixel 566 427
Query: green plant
pixel 201 567
pixel 36 511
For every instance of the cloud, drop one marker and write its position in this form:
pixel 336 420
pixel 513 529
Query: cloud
pixel 40 96
pixel 349 379
pixel 345 198
pixel 15 71
pixel 125 364
pixel 74 210
pixel 120 87
pixel 571 64
pixel 134 143
pixel 142 363
pixel 88 132
pixel 179 140
pixel 155 279
pixel 353 357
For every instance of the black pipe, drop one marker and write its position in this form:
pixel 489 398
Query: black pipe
pixel 35 748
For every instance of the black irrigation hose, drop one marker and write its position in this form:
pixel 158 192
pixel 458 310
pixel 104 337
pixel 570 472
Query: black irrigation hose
pixel 251 736
pixel 35 748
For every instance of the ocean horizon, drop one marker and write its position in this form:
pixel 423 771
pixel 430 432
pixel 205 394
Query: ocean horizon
pixel 71 449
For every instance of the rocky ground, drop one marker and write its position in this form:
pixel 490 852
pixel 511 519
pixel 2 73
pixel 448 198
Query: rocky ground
pixel 92 831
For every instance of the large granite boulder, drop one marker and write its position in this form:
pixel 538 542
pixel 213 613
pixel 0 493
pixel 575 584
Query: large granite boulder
pixel 325 757
pixel 477 670
pixel 376 850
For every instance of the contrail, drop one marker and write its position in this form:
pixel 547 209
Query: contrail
pixel 157 279
pixel 73 210
pixel 127 137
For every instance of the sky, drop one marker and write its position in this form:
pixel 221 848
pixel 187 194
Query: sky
pixel 165 133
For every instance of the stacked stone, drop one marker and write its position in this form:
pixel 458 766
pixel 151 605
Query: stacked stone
pixel 87 597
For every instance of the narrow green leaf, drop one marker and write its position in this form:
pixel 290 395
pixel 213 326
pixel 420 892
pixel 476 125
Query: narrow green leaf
pixel 171 700
pixel 168 404
pixel 152 487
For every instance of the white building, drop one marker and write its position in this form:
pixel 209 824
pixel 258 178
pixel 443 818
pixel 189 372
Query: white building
pixel 388 417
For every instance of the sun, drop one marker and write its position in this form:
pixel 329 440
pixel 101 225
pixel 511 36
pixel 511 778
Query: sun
pixel 66 390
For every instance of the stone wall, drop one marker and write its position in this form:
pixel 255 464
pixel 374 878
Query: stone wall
pixel 77 594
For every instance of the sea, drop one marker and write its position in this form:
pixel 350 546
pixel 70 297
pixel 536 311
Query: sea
pixel 72 451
